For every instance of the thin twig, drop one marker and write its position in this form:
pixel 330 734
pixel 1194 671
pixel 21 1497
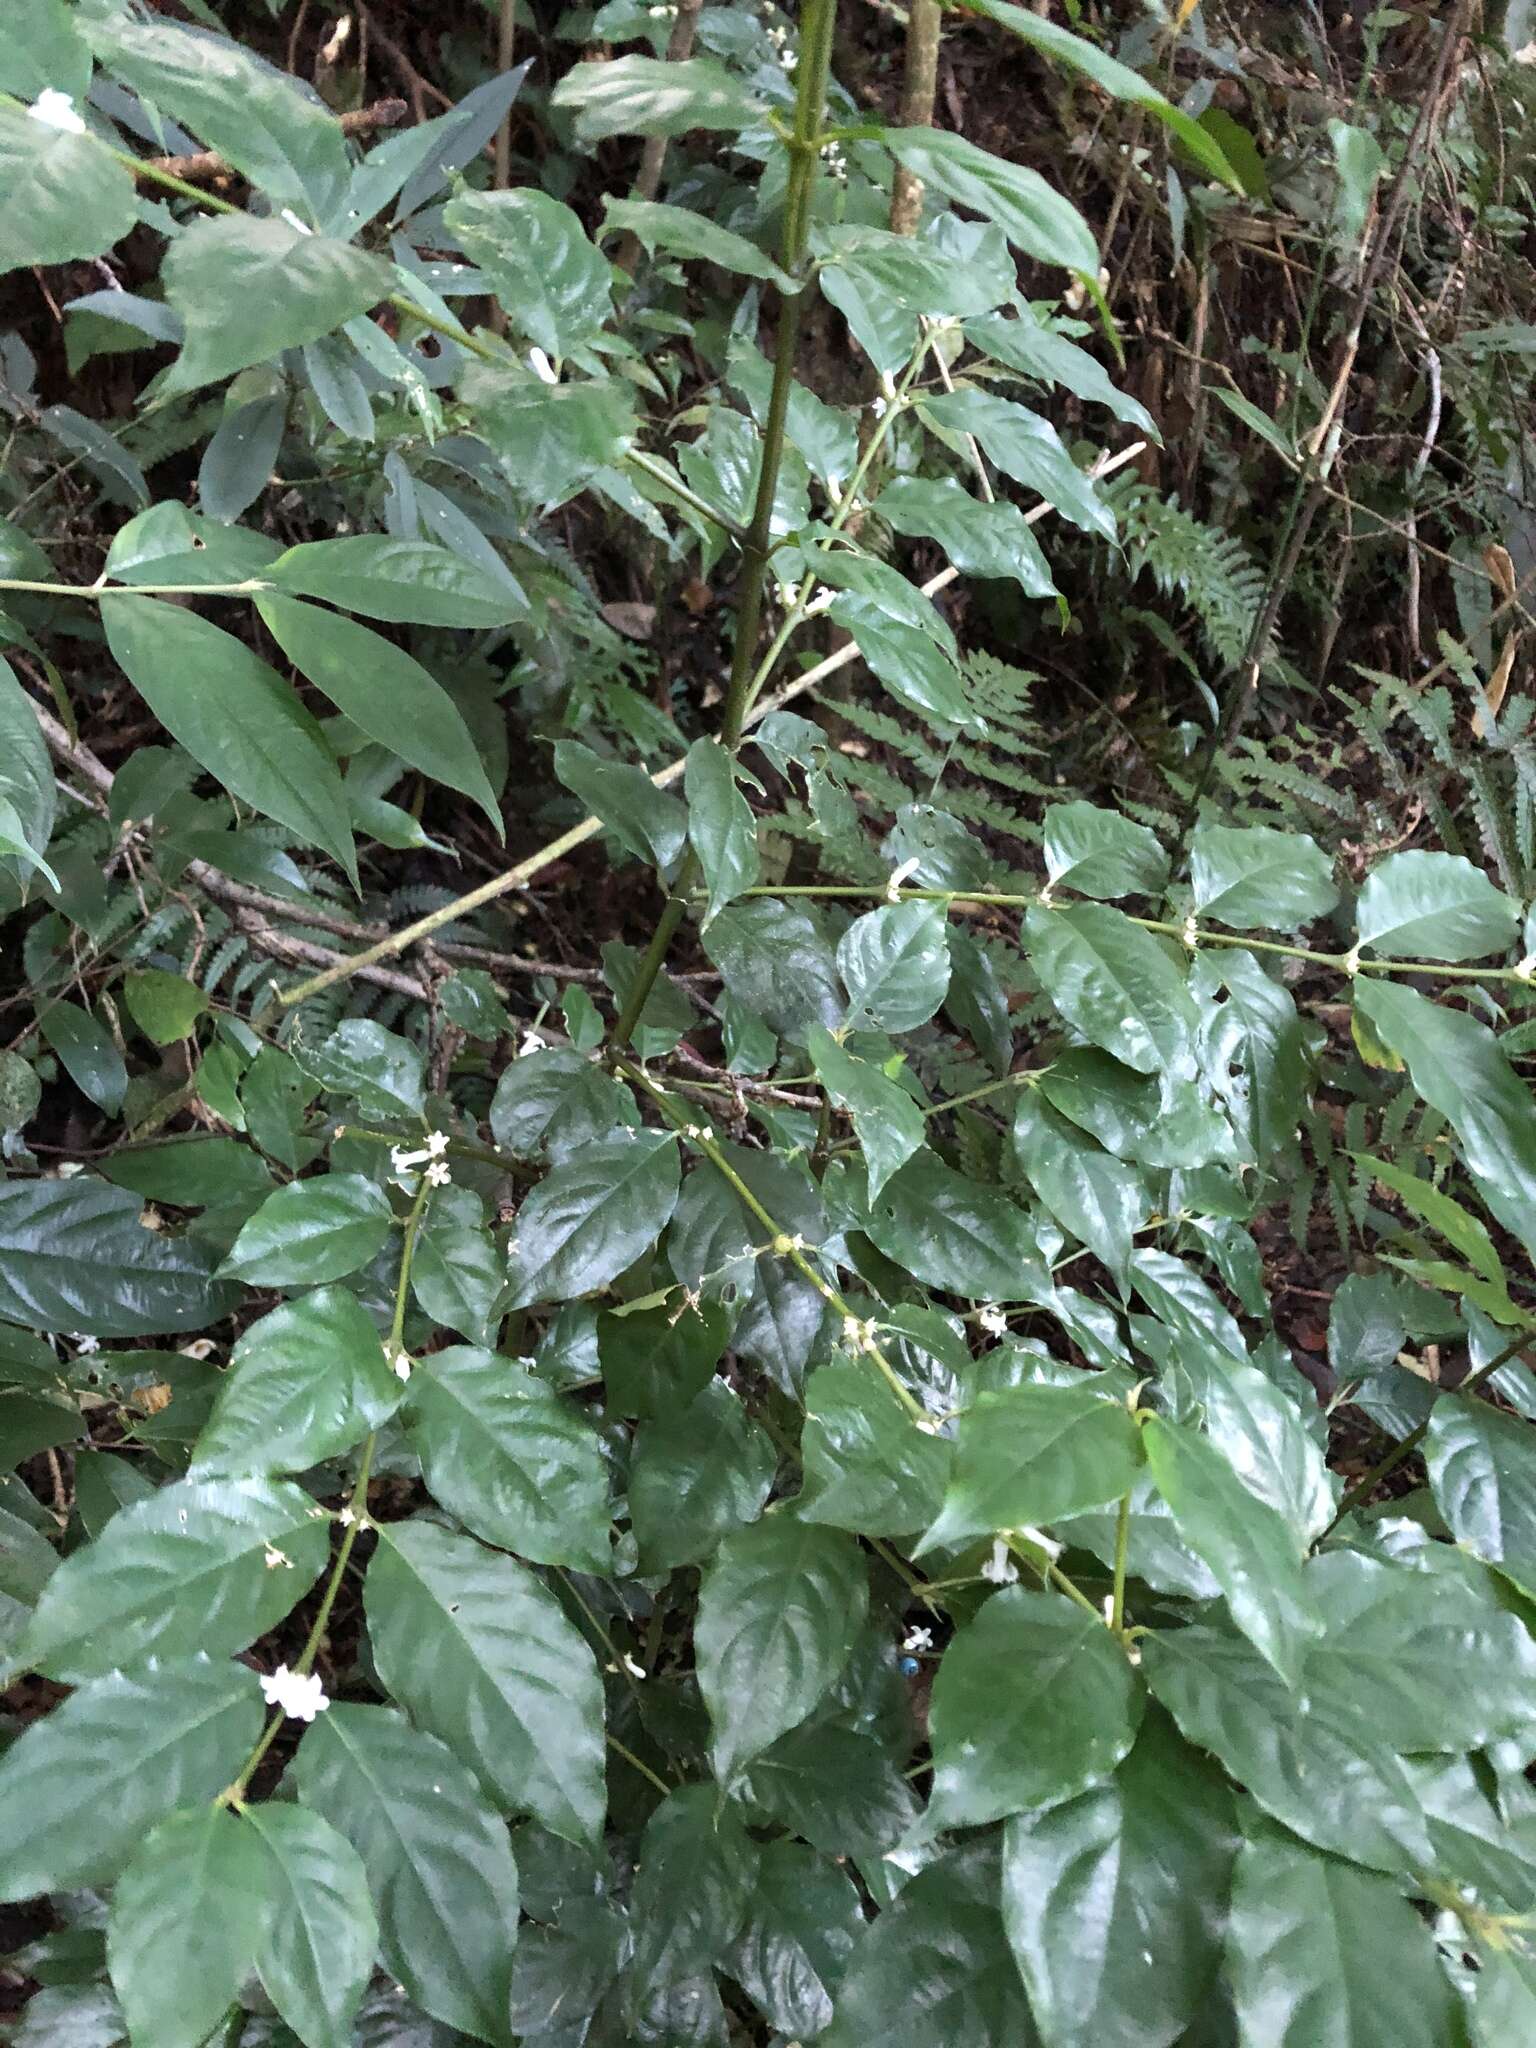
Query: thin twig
pixel 207 163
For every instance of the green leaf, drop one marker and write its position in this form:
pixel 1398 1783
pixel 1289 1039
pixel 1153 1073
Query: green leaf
pixel 1255 1557
pixel 305 1383
pixel 404 582
pixel 384 691
pixel 480 1653
pixel 643 96
pixel 312 1231
pixel 1434 906
pixel 645 820
pixel 26 773
pixel 1259 1431
pixel 804 1922
pixel 1328 1774
pixel 557 1101
pixel 655 1361
pixel 1482 1472
pixel 1115 1900
pixel 554 438
pixel 457 1272
pixel 775 960
pixel 75 1255
pixel 1119 81
pixel 1321 1955
pixel 384 1074
pixel 1030 1454
pixel 1101 853
pixel 590 1218
pixel 779 1607
pixel 1257 1029
pixel 291 288
pixel 839 1787
pixel 1454 1223
pixel 556 288
pixel 721 827
pixel 1026 345
pixel 953 1233
pixel 517 1463
pixel 889 1125
pixel 1034 216
pixel 182 1934
pixel 439 1865
pixel 981 539
pixel 895 966
pixel 20 1093
pixel 81 1788
pixel 166 543
pixel 235 717
pixel 193 1568
pixel 1457 1067
pixel 696 1872
pixel 695 1474
pixel 281 137
pixel 1254 877
pixel 164 1006
pixel 867 1466
pixel 316 1942
pixel 1098 1198
pixel 1504 2008
pixel 44 48
pixel 935 1967
pixel 67 197
pixel 917 671
pixel 1114 982
pixel 681 232
pixel 1026 447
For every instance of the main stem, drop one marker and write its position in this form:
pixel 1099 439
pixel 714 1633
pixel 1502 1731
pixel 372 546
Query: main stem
pixel 804 148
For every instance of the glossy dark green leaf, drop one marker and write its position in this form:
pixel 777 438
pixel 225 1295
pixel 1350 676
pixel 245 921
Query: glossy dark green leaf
pixel 645 820
pixel 555 286
pixel 1115 1900
pixel 26 773
pixel 980 538
pixel 1328 1773
pixel 1034 217
pixel 234 716
pixel 721 827
pixel 1029 1454
pixel 1260 1432
pixel 656 1360
pixel 1322 1955
pixel 193 1568
pixel 1034 1700
pixel 1433 906
pixel 776 961
pixel 312 1231
pixel 165 1006
pixel 695 1474
pixel 643 96
pixel 1114 982
pixel 305 1383
pixel 936 1967
pixel 1482 1471
pixel 480 1653
pixel 590 1218
pixel 406 582
pixel 1098 1198
pixel 67 196
pixel 84 1785
pixel 1101 853
pixel 74 1255
pixel 889 1125
pixel 383 1073
pixel 291 287
pixel 1457 1067
pixel 183 1930
pixel 895 966
pixel 1258 1032
pixel 697 1869
pixel 918 672
pixel 1255 1556
pixel 837 1786
pixel 457 1272
pixel 804 1922
pixel 778 1610
pixel 553 437
pixel 384 691
pixel 867 1466
pixel 1025 446
pixel 439 1864
pixel 682 232
pixel 1252 877
pixel 556 1101
pixel 1027 345
pixel 517 1463
pixel 954 1233
pixel 87 1051
pixel 316 1942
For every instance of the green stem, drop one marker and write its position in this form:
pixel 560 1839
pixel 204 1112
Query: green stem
pixel 357 1509
pixel 93 593
pixel 1406 1446
pixel 1122 1548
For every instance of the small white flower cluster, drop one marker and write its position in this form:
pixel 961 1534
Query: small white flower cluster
pixel 404 1164
pixel 789 57
pixel 993 1320
pixel 298 1694
pixel 661 13
pixel 917 1639
pixel 531 1041
pixel 836 162
pixel 858 1336
pixel 83 1344
pixel 821 599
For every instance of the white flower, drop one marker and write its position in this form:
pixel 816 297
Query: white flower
pixel 1000 1569
pixel 634 1669
pixel 56 109
pixel 84 1346
pixel 899 875
pixel 439 1174
pixel 542 367
pixel 992 1320
pixel 917 1639
pixel 298 1695
pixel 929 1425
pixel 531 1041
pixel 821 599
pixel 437 1144
pixel 1041 1541
pixel 273 1558
pixel 400 1365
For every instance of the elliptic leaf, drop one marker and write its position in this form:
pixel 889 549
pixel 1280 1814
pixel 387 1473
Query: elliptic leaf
pixel 589 1219
pixel 182 1934
pixel 312 1231
pixel 1114 982
pixel 643 96
pixel 66 196
pixel 316 1941
pixel 1433 906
